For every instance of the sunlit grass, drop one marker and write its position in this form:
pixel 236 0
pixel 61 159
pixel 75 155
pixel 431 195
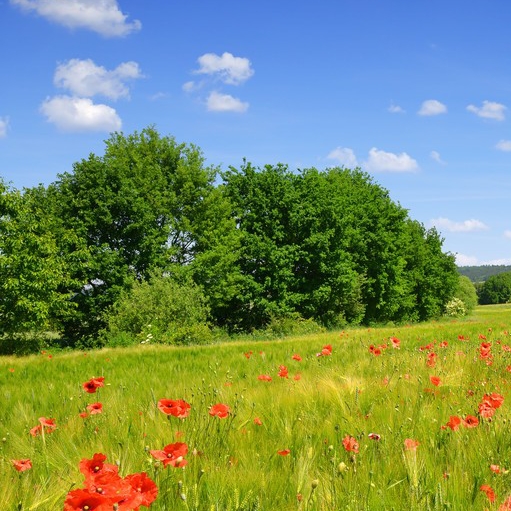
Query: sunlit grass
pixel 234 463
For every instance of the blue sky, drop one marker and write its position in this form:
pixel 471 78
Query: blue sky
pixel 418 94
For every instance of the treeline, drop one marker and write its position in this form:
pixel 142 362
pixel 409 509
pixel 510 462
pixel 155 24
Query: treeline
pixel 146 243
pixel 484 272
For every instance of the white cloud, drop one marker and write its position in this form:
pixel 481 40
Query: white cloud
pixel 381 161
pixel 465 226
pixel 503 145
pixel 464 260
pixel 395 109
pixel 435 155
pixel 507 234
pixel 218 102
pixel 498 262
pixel 344 156
pixel 80 114
pixel 4 124
pixel 189 86
pixel 85 78
pixel 101 16
pixel 432 107
pixel 489 110
pixel 230 69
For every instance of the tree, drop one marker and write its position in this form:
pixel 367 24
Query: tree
pixel 32 269
pixel 147 203
pixel 497 289
pixel 466 292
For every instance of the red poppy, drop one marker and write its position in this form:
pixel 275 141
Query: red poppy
pixel 22 465
pixel 396 343
pixel 350 444
pixel 297 377
pixel 435 380
pixel 219 410
pixel 284 452
pixel 374 436
pixel 411 444
pixel 326 351
pixel 283 372
pixel 95 408
pixel 443 344
pixel 175 407
pixel 95 467
pixel 258 421
pixel 297 357
pixel 93 384
pixel 494 400
pixel 486 410
pixel 248 354
pixel 506 505
pixel 490 493
pixel 172 454
pixel 471 421
pixel 83 498
pixel 264 377
pixel 431 361
pixel 45 425
pixel 143 492
pixel 496 469
pixel 454 423
pixel 83 415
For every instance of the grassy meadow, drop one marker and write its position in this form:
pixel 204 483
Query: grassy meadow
pixel 396 418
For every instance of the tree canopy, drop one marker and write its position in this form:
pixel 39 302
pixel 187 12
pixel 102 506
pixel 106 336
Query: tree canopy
pixel 258 243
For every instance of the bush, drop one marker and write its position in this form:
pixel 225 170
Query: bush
pixel 455 308
pixel 160 310
pixel 497 289
pixel 466 292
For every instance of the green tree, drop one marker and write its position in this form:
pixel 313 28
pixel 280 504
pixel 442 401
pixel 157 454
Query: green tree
pixel 147 203
pixel 32 270
pixel 466 292
pixel 497 289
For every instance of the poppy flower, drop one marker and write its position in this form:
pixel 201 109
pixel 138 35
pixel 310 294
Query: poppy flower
pixel 172 454
pixel 22 465
pixel 45 425
pixel 258 421
pixel 494 400
pixel 284 452
pixel 84 498
pixel 490 493
pixel 435 380
pixel 95 467
pixel 411 444
pixel 471 421
pixel 350 444
pixel 143 491
pixel 264 377
pixel 283 372
pixel 95 408
pixel 431 360
pixel 219 410
pixel 297 357
pixel 297 377
pixel 248 354
pixel 83 415
pixel 454 423
pixel 326 351
pixel 506 505
pixel 175 407
pixel 93 384
pixel 396 343
pixel 374 436
pixel 496 469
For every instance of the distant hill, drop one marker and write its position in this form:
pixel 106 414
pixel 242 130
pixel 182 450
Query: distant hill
pixel 481 273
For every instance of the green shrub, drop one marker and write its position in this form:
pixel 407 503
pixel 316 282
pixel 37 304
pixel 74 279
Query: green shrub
pixel 160 310
pixel 466 292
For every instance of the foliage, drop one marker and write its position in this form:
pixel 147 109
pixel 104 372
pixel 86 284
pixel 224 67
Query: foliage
pixel 497 289
pixel 466 292
pixel 481 273
pixel 148 203
pixel 332 246
pixel 455 308
pixel 159 310
pixel 33 272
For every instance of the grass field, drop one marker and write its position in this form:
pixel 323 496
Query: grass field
pixel 397 418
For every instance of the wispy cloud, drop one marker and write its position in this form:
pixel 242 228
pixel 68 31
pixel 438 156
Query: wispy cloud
pixel 503 145
pixel 4 124
pixel 435 155
pixel 101 16
pixel 464 226
pixel 85 78
pixel 80 114
pixel 465 260
pixel 432 107
pixel 395 109
pixel 489 110
pixel 507 234
pixel 344 156
pixel 218 102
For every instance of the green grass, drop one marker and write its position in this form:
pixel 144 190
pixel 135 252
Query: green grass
pixel 233 464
